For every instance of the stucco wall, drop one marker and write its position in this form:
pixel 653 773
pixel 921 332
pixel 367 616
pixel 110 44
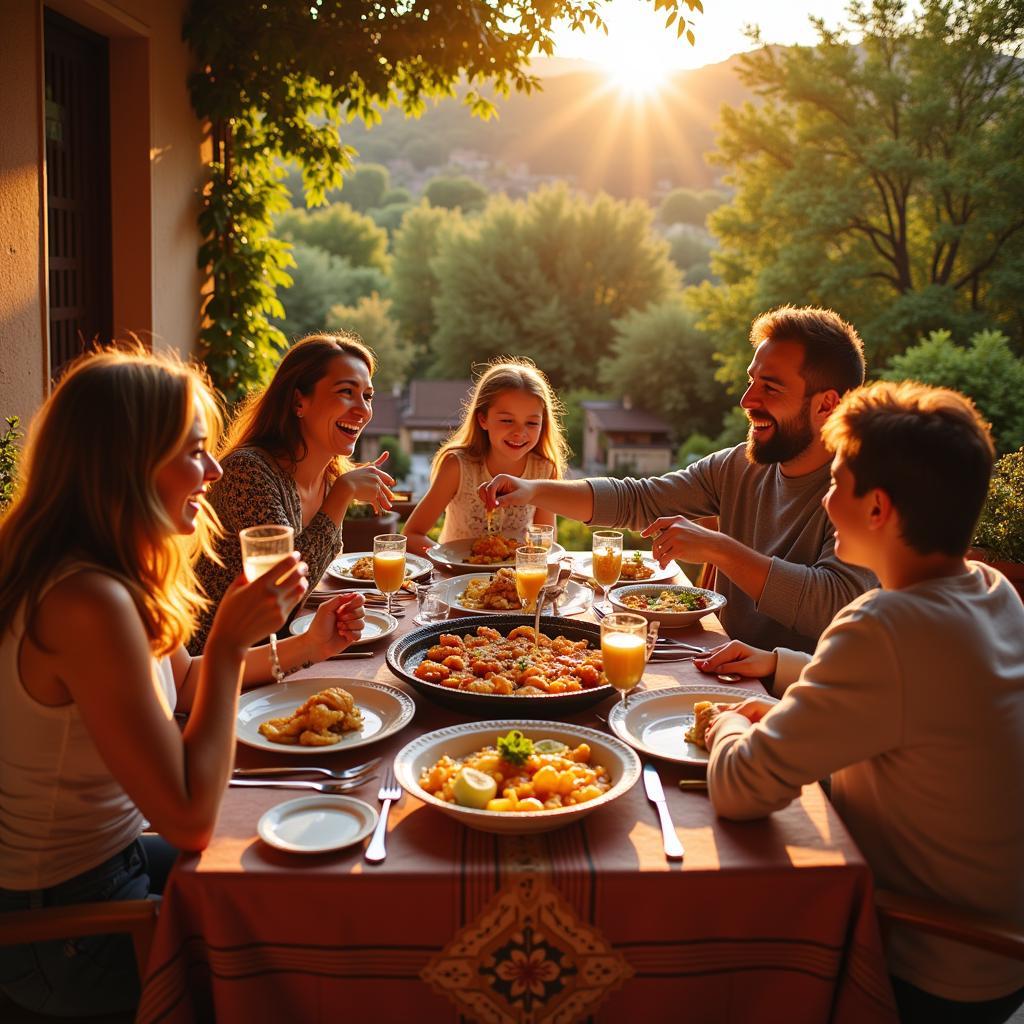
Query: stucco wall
pixel 156 154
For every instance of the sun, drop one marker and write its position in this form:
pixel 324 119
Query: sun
pixel 635 68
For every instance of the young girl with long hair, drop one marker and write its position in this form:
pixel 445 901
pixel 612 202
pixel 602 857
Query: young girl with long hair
pixel 511 425
pixel 96 598
pixel 286 460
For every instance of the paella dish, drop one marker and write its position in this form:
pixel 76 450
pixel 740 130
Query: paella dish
pixel 491 663
pixel 519 774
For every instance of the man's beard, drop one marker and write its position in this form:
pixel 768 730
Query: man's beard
pixel 787 441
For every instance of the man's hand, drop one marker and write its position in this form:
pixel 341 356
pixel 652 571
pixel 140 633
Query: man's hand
pixel 676 537
pixel 752 711
pixel 507 490
pixel 740 658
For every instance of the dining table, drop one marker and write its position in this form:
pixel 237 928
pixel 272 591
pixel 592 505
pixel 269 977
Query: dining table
pixel 759 921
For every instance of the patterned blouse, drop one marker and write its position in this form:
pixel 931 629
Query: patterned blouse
pixel 254 490
pixel 466 515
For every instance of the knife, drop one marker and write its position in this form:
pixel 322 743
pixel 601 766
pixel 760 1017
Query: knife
pixel 655 793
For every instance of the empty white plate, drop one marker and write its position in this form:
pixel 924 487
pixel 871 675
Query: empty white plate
pixel 316 824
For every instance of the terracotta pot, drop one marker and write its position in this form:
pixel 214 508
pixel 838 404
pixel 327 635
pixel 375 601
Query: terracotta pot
pixel 1013 571
pixel 358 534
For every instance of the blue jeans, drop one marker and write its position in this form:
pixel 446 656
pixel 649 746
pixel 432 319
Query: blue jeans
pixel 94 974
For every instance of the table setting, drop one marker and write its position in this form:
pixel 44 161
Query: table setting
pixel 626 903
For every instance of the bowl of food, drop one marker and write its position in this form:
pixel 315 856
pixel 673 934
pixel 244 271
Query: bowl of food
pixel 516 776
pixel 671 605
pixel 489 664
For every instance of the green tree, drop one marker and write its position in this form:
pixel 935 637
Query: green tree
pixel 370 318
pixel 546 278
pixel 339 230
pixel 390 217
pixel 365 186
pixel 425 152
pixel 689 206
pixel 277 81
pixel 666 365
pixel 414 282
pixel 884 179
pixel 322 280
pixel 986 371
pixel 399 462
pixel 460 193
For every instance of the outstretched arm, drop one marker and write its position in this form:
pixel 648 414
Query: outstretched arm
pixel 573 499
pixel 443 488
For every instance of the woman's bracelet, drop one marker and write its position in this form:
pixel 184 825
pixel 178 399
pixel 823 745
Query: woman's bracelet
pixel 276 670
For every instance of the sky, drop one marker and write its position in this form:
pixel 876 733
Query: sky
pixel 637 35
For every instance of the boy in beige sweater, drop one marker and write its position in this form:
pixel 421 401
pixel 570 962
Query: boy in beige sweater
pixel 914 698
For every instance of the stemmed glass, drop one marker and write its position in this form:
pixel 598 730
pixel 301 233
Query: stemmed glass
pixel 389 563
pixel 531 574
pixel 606 564
pixel 623 650
pixel 540 536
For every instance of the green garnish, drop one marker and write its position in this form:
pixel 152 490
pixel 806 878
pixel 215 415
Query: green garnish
pixel 522 664
pixel 515 747
pixel 638 557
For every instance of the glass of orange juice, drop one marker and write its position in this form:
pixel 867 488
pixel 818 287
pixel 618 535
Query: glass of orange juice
pixel 623 650
pixel 606 563
pixel 389 563
pixel 531 574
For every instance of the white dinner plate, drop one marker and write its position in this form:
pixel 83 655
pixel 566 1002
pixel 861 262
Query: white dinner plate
pixel 376 625
pixel 575 600
pixel 453 555
pixel 316 824
pixel 668 573
pixel 385 710
pixel 340 568
pixel 651 591
pixel 655 721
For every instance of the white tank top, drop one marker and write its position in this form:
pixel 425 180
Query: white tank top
pixel 61 811
pixel 466 516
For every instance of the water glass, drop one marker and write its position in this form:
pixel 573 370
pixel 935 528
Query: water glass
pixel 263 547
pixel 540 536
pixel 432 604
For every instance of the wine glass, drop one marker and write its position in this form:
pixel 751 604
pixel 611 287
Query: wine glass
pixel 606 564
pixel 539 535
pixel 389 563
pixel 263 547
pixel 531 574
pixel 623 650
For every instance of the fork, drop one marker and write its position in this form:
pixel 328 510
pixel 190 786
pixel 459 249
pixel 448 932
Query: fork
pixel 331 773
pixel 387 794
pixel 321 787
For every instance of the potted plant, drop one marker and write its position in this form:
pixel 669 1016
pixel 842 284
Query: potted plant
pixel 362 524
pixel 999 536
pixel 8 461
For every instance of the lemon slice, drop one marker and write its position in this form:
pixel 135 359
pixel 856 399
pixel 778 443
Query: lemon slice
pixel 549 747
pixel 473 788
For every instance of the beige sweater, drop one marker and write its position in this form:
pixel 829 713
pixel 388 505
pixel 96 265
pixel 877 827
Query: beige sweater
pixel 914 702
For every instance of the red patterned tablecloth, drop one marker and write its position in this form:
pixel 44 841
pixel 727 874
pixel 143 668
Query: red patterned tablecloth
pixel 763 921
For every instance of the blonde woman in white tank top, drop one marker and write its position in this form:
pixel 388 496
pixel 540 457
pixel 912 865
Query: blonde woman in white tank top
pixel 511 420
pixel 96 597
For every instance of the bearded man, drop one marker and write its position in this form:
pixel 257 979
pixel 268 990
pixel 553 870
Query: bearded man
pixel 774 548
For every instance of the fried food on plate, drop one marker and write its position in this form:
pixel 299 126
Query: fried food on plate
pixel 635 568
pixel 492 549
pixel 497 593
pixel 317 722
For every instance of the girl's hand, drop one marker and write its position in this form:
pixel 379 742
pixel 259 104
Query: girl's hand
pixel 337 624
pixel 369 483
pixel 507 490
pixel 250 611
pixel 744 660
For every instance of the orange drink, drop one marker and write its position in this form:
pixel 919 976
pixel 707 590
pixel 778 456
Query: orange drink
pixel 624 657
pixel 529 580
pixel 389 563
pixel 623 649
pixel 607 564
pixel 389 570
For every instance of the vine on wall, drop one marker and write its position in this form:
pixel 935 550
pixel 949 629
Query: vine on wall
pixel 277 79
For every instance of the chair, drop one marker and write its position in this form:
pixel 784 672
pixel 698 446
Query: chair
pixel 949 922
pixel 136 918
pixel 708 575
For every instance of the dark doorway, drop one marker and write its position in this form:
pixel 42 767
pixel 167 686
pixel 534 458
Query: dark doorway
pixel 77 188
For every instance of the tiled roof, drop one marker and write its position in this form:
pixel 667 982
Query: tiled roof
pixel 387 412
pixel 622 420
pixel 436 403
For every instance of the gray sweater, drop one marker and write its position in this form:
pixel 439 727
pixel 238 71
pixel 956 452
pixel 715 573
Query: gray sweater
pixel 776 515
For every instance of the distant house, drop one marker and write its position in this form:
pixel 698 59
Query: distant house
pixel 432 410
pixel 618 436
pixel 386 422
